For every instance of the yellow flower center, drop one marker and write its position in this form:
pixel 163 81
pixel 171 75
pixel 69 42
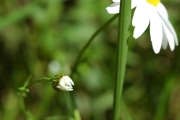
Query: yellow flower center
pixel 153 2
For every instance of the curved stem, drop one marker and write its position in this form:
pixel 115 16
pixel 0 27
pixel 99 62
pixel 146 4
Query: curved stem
pixel 39 80
pixel 74 67
pixel 89 42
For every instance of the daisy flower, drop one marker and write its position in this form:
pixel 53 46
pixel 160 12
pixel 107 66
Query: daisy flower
pixel 62 82
pixel 154 13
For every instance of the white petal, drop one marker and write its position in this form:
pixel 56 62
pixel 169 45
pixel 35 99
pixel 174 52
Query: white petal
pixel 170 27
pixel 67 88
pixel 155 30
pixel 113 8
pixel 169 36
pixel 62 87
pixel 140 14
pixel 162 10
pixel 164 41
pixel 70 89
pixel 68 80
pixel 62 83
pixel 134 3
pixel 116 0
pixel 139 29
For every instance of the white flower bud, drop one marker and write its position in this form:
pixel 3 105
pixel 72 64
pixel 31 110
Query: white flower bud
pixel 62 82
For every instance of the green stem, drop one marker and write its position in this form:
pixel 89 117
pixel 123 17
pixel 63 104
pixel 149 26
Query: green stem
pixel 161 108
pixel 39 80
pixel 74 67
pixel 22 105
pixel 122 48
pixel 76 112
pixel 163 102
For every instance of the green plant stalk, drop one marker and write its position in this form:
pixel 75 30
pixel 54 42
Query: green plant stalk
pixel 122 48
pixel 76 112
pixel 26 113
pixel 161 108
pixel 39 80
pixel 170 81
pixel 22 105
pixel 74 67
pixel 163 102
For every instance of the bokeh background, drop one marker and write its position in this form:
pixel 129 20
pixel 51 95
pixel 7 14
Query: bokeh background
pixel 41 38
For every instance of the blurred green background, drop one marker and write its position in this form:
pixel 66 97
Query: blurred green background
pixel 43 37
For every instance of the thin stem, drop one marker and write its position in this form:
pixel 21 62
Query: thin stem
pixel 89 42
pixel 122 48
pixel 76 112
pixel 39 80
pixel 22 105
pixel 74 67
pixel 161 108
pixel 163 102
pixel 25 112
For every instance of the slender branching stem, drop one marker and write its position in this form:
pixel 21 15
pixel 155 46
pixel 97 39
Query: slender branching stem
pixel 39 80
pixel 74 67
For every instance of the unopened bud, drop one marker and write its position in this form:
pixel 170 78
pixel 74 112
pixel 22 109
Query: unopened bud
pixel 62 82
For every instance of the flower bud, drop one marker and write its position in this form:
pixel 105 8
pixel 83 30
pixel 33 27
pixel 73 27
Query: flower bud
pixel 62 82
